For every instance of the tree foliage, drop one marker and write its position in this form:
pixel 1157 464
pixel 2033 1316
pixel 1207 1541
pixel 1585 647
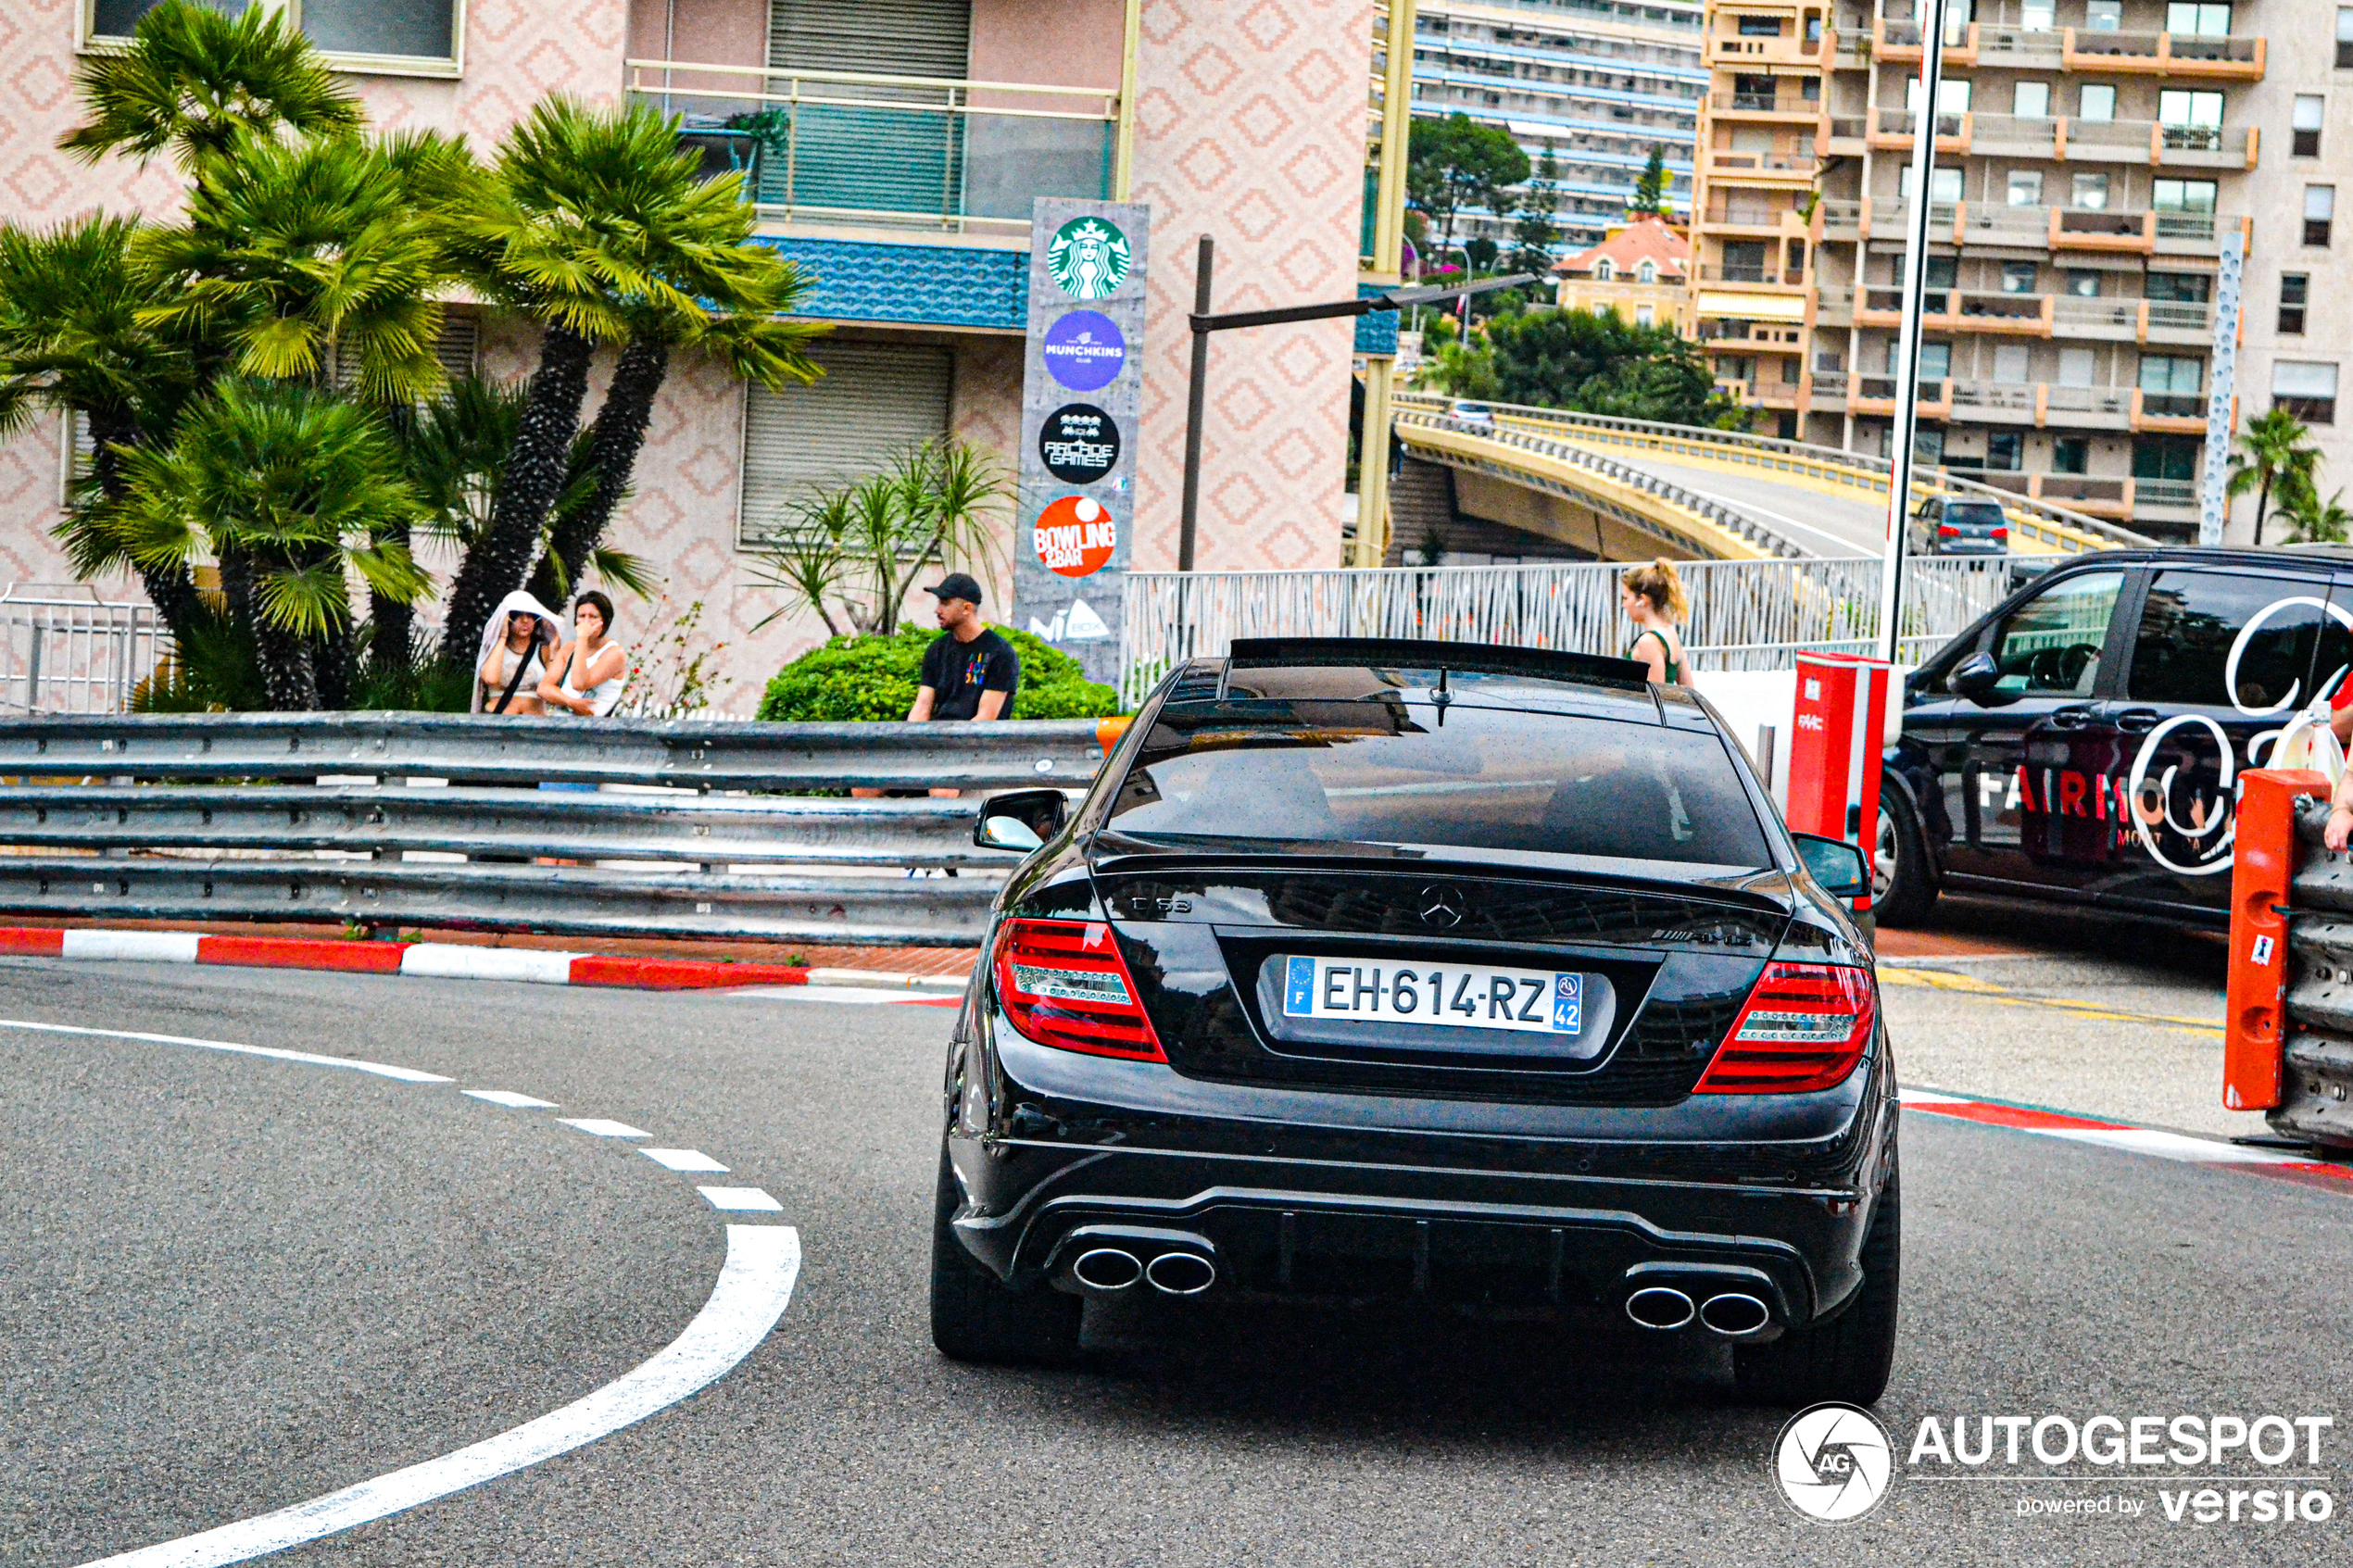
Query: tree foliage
pixel 1593 361
pixel 2276 459
pixel 1456 162
pixel 1650 190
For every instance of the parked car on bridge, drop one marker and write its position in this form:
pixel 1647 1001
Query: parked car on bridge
pixel 1959 525
pixel 1470 413
pixel 2079 745
pixel 1481 977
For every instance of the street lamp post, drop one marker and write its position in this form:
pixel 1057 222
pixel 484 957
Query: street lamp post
pixel 1907 342
pixel 1204 323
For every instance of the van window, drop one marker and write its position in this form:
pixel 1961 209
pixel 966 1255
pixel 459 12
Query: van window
pixel 2051 644
pixel 2190 621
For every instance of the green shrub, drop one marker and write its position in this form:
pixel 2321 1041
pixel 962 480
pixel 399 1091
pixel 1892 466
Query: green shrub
pixel 853 679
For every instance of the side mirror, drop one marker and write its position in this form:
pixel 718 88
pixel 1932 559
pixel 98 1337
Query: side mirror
pixel 1834 863
pixel 1022 820
pixel 1974 676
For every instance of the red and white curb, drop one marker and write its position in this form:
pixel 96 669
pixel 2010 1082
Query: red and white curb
pixel 2124 1136
pixel 451 961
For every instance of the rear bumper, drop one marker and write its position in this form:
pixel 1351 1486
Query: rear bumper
pixel 1508 1223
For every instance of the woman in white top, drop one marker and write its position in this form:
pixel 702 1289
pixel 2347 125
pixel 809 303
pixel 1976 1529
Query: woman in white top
pixel 517 643
pixel 586 676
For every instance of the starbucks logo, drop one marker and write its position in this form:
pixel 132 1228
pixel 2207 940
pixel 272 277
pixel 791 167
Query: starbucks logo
pixel 1087 259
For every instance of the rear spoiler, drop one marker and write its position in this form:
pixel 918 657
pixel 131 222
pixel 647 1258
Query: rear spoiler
pixel 1415 653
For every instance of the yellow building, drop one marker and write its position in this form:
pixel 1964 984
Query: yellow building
pixel 1640 272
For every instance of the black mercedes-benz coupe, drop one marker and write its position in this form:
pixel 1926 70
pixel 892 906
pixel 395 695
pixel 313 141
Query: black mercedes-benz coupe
pixel 1480 976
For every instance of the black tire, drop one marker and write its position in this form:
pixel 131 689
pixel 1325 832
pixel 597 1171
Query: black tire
pixel 1903 888
pixel 1847 1359
pixel 977 1317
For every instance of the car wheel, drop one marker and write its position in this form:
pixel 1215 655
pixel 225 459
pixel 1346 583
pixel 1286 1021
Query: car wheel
pixel 1847 1359
pixel 976 1316
pixel 1901 891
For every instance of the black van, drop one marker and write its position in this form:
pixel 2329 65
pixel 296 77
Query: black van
pixel 2080 744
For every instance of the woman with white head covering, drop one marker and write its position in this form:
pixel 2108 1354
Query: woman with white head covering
pixel 519 642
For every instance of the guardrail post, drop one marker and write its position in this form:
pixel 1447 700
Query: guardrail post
pixel 2264 868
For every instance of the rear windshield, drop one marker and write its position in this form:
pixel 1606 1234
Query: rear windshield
pixel 1976 514
pixel 1407 773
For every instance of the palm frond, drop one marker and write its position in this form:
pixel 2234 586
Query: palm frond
pixel 193 80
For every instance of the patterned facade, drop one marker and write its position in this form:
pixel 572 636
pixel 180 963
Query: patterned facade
pixel 1241 118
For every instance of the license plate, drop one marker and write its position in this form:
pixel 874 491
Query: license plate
pixel 1441 996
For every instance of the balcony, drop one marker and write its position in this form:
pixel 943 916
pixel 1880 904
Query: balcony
pixel 1795 163
pixel 1741 272
pixel 848 148
pixel 1754 216
pixel 1732 49
pixel 1764 105
pixel 2186 323
pixel 1764 337
pixel 1876 394
pixel 2042 404
pixel 1897 40
pixel 2066 140
pixel 2027 315
pixel 2162 54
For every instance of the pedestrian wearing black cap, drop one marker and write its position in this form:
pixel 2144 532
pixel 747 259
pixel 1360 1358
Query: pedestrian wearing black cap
pixel 971 672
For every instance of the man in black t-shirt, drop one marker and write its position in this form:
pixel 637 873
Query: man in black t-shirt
pixel 971 672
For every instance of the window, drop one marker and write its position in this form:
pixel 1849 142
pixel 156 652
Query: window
pixel 1944 184
pixel 1381 771
pixel 2172 375
pixel 2011 368
pixel 1951 96
pixel 1645 315
pixel 2082 282
pixel 2096 100
pixel 2305 390
pixel 2026 187
pixel 387 30
pixel 2075 366
pixel 1790 370
pixel 2102 16
pixel 1647 273
pixel 2030 100
pixel 2344 36
pixel 2192 118
pixel 1941 271
pixel 2192 288
pixel 2017 277
pixel 2197 19
pixel 2005 449
pixel 2070 454
pixel 874 399
pixel 1760 27
pixel 2191 619
pixel 2305 142
pixel 2320 208
pixel 2037 16
pixel 2182 195
pixel 2164 456
pixel 1744 261
pixel 1936 361
pixel 2090 192
pixel 2294 292
pixel 2052 643
pixel 1795 262
pixel 1604 270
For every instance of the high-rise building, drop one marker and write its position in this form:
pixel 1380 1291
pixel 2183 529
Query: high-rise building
pixel 2092 157
pixel 1598 83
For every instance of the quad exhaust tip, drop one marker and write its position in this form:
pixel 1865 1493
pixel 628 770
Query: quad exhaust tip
pixel 1660 1307
pixel 1181 1274
pixel 1734 1314
pixel 1107 1269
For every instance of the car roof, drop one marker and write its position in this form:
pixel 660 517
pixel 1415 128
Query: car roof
pixel 2241 556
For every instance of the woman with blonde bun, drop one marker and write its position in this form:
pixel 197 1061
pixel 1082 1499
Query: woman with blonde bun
pixel 1653 600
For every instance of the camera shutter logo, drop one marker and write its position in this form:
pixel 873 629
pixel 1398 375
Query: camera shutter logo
pixel 1087 259
pixel 1834 1462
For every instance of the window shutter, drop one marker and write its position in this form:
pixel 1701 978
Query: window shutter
pixel 886 37
pixel 2292 378
pixel 874 401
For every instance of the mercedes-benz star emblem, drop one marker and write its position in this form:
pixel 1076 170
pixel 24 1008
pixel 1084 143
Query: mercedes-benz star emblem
pixel 1442 905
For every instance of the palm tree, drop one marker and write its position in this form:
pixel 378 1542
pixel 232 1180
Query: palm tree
pixel 292 491
pixel 194 81
pixel 300 257
pixel 73 338
pixel 2318 521
pixel 598 226
pixel 2273 456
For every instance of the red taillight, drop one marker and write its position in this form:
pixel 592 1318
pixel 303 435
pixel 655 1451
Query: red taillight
pixel 1805 1027
pixel 1946 530
pixel 1062 983
pixel 2001 531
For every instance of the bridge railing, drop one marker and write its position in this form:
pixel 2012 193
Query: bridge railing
pixel 381 821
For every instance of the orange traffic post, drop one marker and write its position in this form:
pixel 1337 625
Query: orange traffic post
pixel 2263 866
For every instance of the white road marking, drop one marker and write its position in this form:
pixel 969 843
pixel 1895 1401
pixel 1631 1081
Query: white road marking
pixel 2174 1146
pixel 511 1099
pixel 741 1200
pixel 155 947
pixel 598 1126
pixel 687 1160
pixel 382 1069
pixel 1928 1097
pixel 753 1291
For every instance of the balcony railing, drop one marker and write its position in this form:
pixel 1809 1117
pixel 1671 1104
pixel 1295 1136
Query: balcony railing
pixel 855 147
pixel 1797 161
pixel 2173 405
pixel 2161 53
pixel 2112 141
pixel 1746 272
pixel 1764 102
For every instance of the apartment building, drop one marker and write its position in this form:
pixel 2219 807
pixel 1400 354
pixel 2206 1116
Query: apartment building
pixel 1598 83
pixel 2092 157
pixel 902 144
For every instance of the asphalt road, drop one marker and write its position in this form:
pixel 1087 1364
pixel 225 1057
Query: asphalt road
pixel 236 1282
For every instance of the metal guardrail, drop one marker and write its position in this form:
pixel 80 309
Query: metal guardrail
pixel 381 821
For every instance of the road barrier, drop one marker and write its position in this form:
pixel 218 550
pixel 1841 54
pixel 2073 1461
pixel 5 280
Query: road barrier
pixel 2288 1030
pixel 382 820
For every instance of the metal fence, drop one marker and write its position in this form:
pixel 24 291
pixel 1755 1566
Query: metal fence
pixel 63 654
pixel 381 821
pixel 1746 615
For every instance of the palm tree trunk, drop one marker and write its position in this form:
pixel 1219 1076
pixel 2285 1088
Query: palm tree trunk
pixel 613 443
pixel 528 483
pixel 288 680
pixel 170 589
pixel 2262 503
